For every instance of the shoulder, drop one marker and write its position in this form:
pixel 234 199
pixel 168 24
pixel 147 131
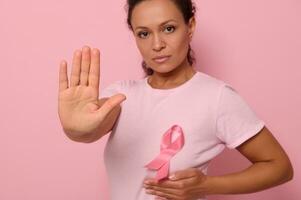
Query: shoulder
pixel 209 83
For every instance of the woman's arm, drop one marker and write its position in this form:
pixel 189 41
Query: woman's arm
pixel 271 166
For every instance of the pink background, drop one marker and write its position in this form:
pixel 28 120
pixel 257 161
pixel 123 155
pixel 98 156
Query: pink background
pixel 253 45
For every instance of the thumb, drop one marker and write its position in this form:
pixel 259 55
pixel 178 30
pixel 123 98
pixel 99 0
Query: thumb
pixel 110 104
pixel 183 174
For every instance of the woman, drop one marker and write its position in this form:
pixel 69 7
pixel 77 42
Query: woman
pixel 175 116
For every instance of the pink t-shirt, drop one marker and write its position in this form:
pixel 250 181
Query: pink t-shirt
pixel 210 112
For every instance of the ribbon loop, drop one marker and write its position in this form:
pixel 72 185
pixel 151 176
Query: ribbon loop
pixel 167 150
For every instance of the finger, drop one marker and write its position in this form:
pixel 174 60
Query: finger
pixel 163 195
pixel 164 184
pixel 63 77
pixel 182 174
pixel 171 183
pixel 163 192
pixel 94 74
pixel 108 106
pixel 172 191
pixel 85 65
pixel 190 186
pixel 160 198
pixel 75 72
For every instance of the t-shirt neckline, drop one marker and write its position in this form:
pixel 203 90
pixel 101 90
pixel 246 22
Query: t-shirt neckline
pixel 163 91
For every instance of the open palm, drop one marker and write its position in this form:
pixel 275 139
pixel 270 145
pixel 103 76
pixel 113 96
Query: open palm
pixel 79 108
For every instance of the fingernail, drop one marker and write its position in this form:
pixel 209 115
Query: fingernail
pixel 172 176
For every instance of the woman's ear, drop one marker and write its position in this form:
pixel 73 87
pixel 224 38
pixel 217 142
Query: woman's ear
pixel 191 27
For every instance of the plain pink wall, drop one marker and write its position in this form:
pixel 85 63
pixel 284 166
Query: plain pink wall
pixel 253 45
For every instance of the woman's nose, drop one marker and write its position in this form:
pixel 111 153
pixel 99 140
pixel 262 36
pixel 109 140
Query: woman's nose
pixel 158 43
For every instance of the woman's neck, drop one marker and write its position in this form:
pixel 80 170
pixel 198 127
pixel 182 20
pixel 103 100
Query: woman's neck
pixel 171 79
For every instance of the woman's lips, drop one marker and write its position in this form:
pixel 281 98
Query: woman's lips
pixel 162 59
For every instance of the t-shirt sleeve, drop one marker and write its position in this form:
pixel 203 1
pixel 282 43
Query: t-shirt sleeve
pixel 236 122
pixel 111 89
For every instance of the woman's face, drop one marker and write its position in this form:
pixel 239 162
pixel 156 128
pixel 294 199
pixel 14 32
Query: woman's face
pixel 160 30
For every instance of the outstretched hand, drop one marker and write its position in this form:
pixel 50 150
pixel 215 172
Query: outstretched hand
pixel 79 108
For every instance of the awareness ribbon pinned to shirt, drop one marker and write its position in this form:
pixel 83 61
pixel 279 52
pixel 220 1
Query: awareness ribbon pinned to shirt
pixel 167 150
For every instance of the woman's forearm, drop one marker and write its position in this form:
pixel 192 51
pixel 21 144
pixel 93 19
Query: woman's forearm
pixel 259 176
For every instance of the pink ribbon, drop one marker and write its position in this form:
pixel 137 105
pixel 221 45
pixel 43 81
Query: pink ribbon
pixel 167 151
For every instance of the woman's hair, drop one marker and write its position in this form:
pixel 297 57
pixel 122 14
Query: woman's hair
pixel 187 9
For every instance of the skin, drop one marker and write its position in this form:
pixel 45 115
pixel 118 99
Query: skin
pixel 172 38
pixel 270 167
pixel 83 116
pixel 78 99
pixel 270 164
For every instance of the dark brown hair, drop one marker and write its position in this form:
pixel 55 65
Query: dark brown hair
pixel 187 9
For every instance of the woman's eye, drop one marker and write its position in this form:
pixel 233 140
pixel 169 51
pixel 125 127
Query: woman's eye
pixel 170 29
pixel 142 34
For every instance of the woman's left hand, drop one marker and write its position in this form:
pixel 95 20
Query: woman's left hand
pixel 185 185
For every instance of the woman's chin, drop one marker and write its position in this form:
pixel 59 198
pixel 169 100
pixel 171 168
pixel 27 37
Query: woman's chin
pixel 162 69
